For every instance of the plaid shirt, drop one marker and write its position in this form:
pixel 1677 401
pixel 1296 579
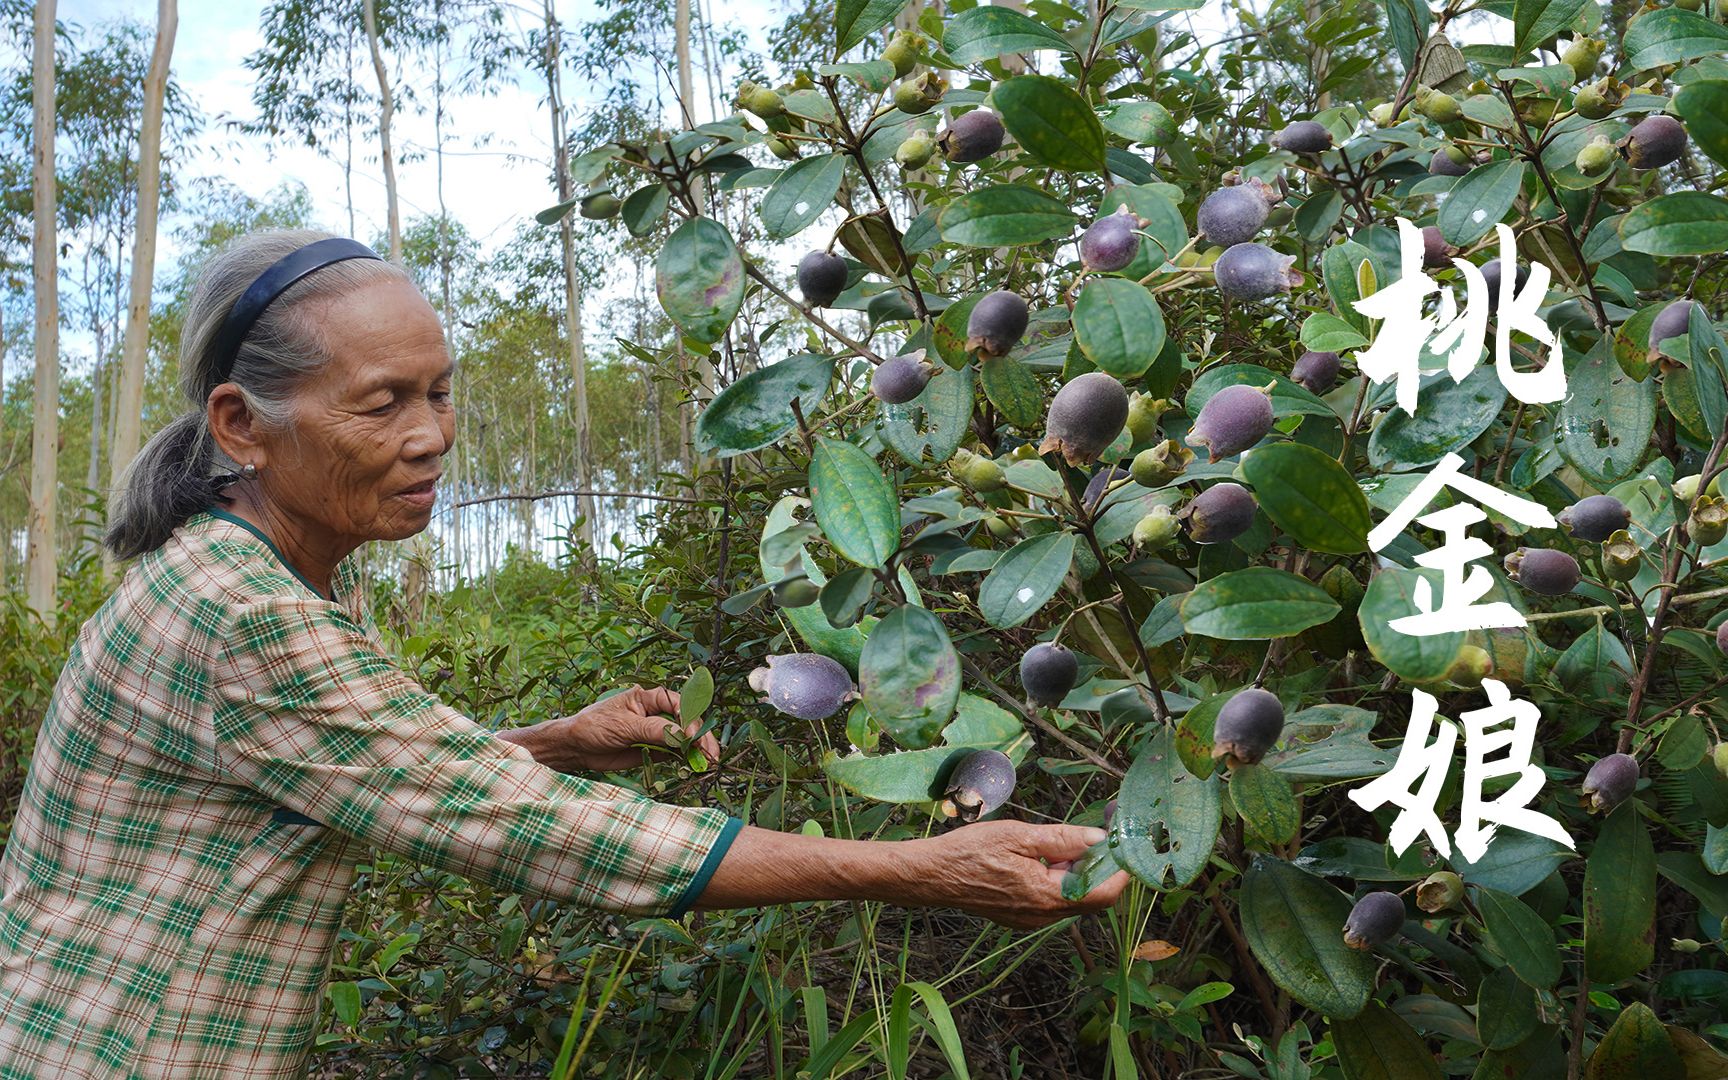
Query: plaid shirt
pixel 166 907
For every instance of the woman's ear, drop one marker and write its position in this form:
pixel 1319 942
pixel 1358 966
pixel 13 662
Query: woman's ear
pixel 233 427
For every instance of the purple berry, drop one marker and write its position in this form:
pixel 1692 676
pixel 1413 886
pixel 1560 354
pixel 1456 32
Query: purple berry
pixel 1233 215
pixel 980 782
pixel 1374 920
pixel 1304 137
pixel 900 379
pixel 1610 781
pixel 1232 420
pixel 1543 570
pixel 1047 673
pixel 1671 321
pixel 1247 726
pixel 971 136
pixel 1595 517
pixel 997 323
pixel 808 686
pixel 1254 272
pixel 1654 141
pixel 1219 514
pixel 1316 372
pixel 821 278
pixel 1085 417
pixel 1110 242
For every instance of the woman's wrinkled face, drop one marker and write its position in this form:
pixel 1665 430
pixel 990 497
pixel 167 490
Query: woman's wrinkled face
pixel 363 459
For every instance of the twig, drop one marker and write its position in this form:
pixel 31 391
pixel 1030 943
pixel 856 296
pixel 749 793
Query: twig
pixel 1038 721
pixel 856 346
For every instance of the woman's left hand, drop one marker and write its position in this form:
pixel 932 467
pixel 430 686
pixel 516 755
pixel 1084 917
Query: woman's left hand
pixel 609 735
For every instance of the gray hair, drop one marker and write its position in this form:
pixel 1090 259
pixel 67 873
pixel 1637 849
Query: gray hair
pixel 180 469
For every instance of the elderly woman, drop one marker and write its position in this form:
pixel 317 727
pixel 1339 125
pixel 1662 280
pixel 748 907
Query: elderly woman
pixel 227 739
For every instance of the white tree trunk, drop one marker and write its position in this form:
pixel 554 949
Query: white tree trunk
pixel 134 351
pixel 45 431
pixel 386 109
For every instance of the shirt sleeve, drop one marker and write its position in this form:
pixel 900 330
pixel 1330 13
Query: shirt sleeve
pixel 311 715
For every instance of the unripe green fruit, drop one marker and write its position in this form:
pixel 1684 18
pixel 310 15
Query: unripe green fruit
pixel 1689 5
pixel 795 592
pixel 915 151
pixel 1304 137
pixel 972 136
pixel 1247 726
pixel 782 149
pixel 1621 556
pixel 900 379
pixel 821 278
pixel 1440 891
pixel 911 97
pixel 1708 523
pixel 1156 529
pixel 1595 517
pixel 1085 417
pixel 765 103
pixel 1472 665
pixel 1315 372
pixel 1110 242
pixel 996 324
pixel 1233 215
pixel 1543 570
pixel 600 206
pixel 1686 487
pixel 1381 114
pixel 981 781
pixel 1599 99
pixel 1438 106
pixel 1374 920
pixel 1582 56
pixel 998 526
pixel 1654 141
pixel 1158 465
pixel 1610 782
pixel 423 1009
pixel 1143 413
pixel 1596 157
pixel 1672 321
pixel 902 54
pixel 1232 420
pixel 976 471
pixel 1219 514
pixel 1048 672
pixel 808 686
pixel 1254 272
pixel 1445 163
pixel 1719 756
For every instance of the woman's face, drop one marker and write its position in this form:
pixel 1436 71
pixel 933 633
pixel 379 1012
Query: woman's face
pixel 363 459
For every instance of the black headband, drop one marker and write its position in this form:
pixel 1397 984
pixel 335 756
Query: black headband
pixel 273 283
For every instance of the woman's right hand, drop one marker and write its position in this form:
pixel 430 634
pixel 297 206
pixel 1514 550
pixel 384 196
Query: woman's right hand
pixel 1010 872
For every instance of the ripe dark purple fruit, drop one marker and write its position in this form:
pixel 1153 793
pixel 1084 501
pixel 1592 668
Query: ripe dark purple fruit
pixel 971 136
pixel 1722 638
pixel 1444 164
pixel 1610 781
pixel 1595 517
pixel 1247 726
pixel 1304 137
pixel 1654 141
pixel 1219 514
pixel 980 782
pixel 1085 417
pixel 1233 215
pixel 1671 321
pixel 1047 673
pixel 1232 420
pixel 1254 272
pixel 1316 372
pixel 1491 276
pixel 997 323
pixel 1110 242
pixel 1374 920
pixel 1436 252
pixel 901 378
pixel 806 685
pixel 1102 479
pixel 821 278
pixel 1543 570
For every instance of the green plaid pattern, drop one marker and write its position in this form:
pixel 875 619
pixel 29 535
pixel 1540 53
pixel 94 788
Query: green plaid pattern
pixel 161 917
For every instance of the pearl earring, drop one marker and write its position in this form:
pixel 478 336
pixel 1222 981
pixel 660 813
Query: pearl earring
pixel 249 471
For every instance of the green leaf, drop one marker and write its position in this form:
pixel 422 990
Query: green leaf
pixel 700 279
pixel 345 1001
pixel 696 694
pixel 1520 936
pixel 845 595
pixel 1004 215
pixel 1024 579
pixel 1145 122
pixel 1595 665
pixel 1378 1044
pixel 1326 332
pixel 1294 923
pixel 1166 819
pixel 1326 742
pixel 801 193
pixel 1448 416
pixel 1479 200
pixel 1704 107
pixel 644 208
pixel 941 1023
pixel 1255 604
pixel 1607 417
pixel 1535 21
pixel 984 33
pixel 1165 233
pixel 870 238
pixel 810 624
pixel 1407 25
pixel 1707 354
pixel 933 423
pixel 1637 1047
pixel 756 410
pixel 1505 1010
pixel 1118 326
pixel 1310 496
pixel 875 76
pixel 1287 397
pixel 854 503
pixel 913 776
pixel 1684 223
pixel 1671 35
pixel 855 20
pixel 1515 862
pixel 1013 389
pixel 1620 899
pixel 1391 594
pixel 1264 800
pixel 1051 122
pixel 909 676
